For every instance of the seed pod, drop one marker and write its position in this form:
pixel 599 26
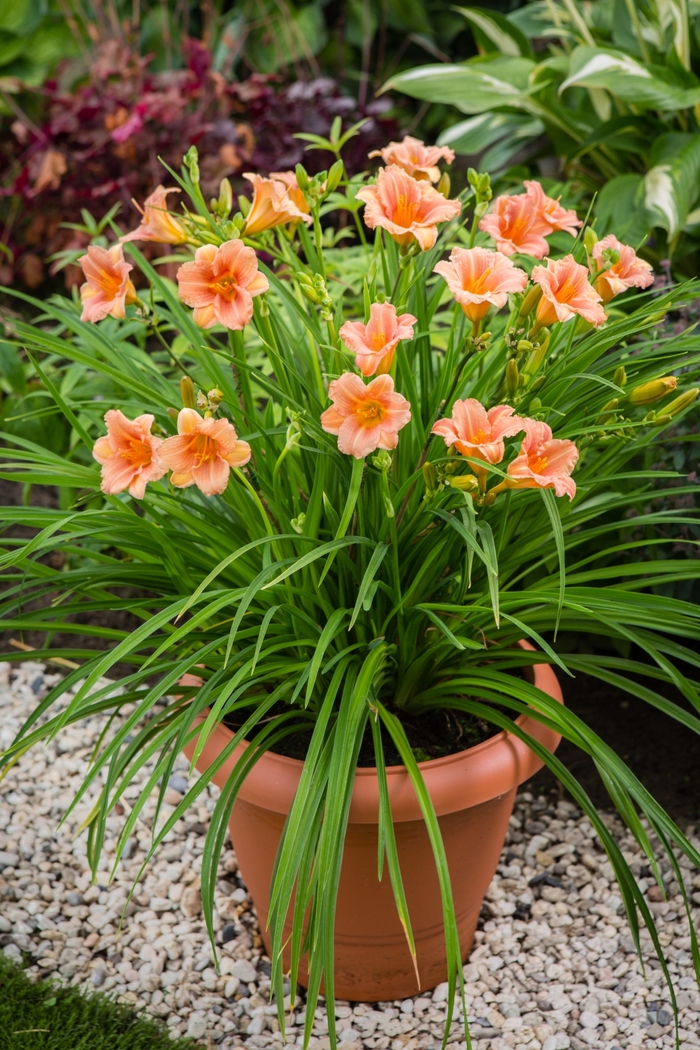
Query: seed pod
pixel 655 390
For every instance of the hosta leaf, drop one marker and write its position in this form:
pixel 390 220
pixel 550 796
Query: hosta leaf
pixel 505 37
pixel 491 129
pixel 473 87
pixel 629 80
pixel 672 185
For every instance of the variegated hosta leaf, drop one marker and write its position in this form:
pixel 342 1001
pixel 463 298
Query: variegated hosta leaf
pixel 624 77
pixel 474 86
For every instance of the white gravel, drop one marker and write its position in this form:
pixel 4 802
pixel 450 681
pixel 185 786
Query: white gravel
pixel 553 966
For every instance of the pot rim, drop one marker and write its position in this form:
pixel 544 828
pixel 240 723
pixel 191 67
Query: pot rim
pixel 455 782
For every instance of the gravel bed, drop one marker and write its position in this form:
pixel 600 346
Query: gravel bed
pixel 553 966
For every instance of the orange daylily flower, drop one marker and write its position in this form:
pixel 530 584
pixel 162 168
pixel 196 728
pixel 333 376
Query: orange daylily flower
pixel 157 223
pixel 629 272
pixel 365 418
pixel 478 433
pixel 479 278
pixel 521 222
pixel 516 226
pixel 543 462
pixel 128 454
pixel 566 293
pixel 374 344
pixel 415 158
pixel 550 211
pixel 406 208
pixel 296 194
pixel 108 289
pixel 220 284
pixel 203 452
pixel 273 205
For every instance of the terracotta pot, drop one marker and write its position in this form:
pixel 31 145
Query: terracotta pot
pixel 473 794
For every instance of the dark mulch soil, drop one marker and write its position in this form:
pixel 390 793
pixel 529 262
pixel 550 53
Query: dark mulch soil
pixel 661 752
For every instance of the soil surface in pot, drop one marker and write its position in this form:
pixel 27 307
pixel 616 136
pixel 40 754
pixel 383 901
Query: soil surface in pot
pixel 432 734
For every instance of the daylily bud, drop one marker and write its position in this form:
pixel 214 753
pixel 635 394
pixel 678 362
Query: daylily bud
pixel 481 209
pixel 187 392
pixel 537 384
pixel 677 406
pixel 590 238
pixel 191 162
pixel 172 412
pixel 465 483
pixel 388 506
pixel 225 198
pixel 655 390
pixel 620 377
pixel 302 177
pixel 244 204
pixel 608 410
pixel 512 377
pixel 334 176
pixel 382 461
pixel 535 405
pixel 444 185
pixel 524 346
pixel 530 301
pixel 473 177
pixel 430 477
pixel 298 523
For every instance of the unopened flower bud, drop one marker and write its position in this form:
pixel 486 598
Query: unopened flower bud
pixel 430 477
pixel 444 185
pixel 481 209
pixel 388 506
pixel 244 205
pixel 172 412
pixel 382 461
pixel 677 406
pixel 654 390
pixel 590 239
pixel 191 162
pixel 225 198
pixel 524 346
pixel 608 410
pixel 187 392
pixel 537 384
pixel 512 377
pixel 535 405
pixel 620 377
pixel 530 301
pixel 298 523
pixel 302 177
pixel 473 177
pixel 465 483
pixel 334 176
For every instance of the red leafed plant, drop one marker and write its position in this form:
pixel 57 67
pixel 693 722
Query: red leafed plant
pixel 98 144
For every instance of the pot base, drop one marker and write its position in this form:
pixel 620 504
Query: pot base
pixel 372 959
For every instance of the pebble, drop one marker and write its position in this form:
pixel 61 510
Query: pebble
pixel 553 965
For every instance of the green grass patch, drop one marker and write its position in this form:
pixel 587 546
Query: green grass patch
pixel 43 1015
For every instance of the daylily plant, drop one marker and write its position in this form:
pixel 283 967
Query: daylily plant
pixel 363 472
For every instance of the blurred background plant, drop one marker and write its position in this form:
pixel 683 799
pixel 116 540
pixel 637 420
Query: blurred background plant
pixel 605 94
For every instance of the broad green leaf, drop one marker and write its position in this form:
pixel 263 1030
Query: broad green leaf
pixel 672 185
pixel 642 85
pixel 474 86
pixel 505 37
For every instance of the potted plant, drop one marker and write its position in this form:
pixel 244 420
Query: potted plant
pixel 396 463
